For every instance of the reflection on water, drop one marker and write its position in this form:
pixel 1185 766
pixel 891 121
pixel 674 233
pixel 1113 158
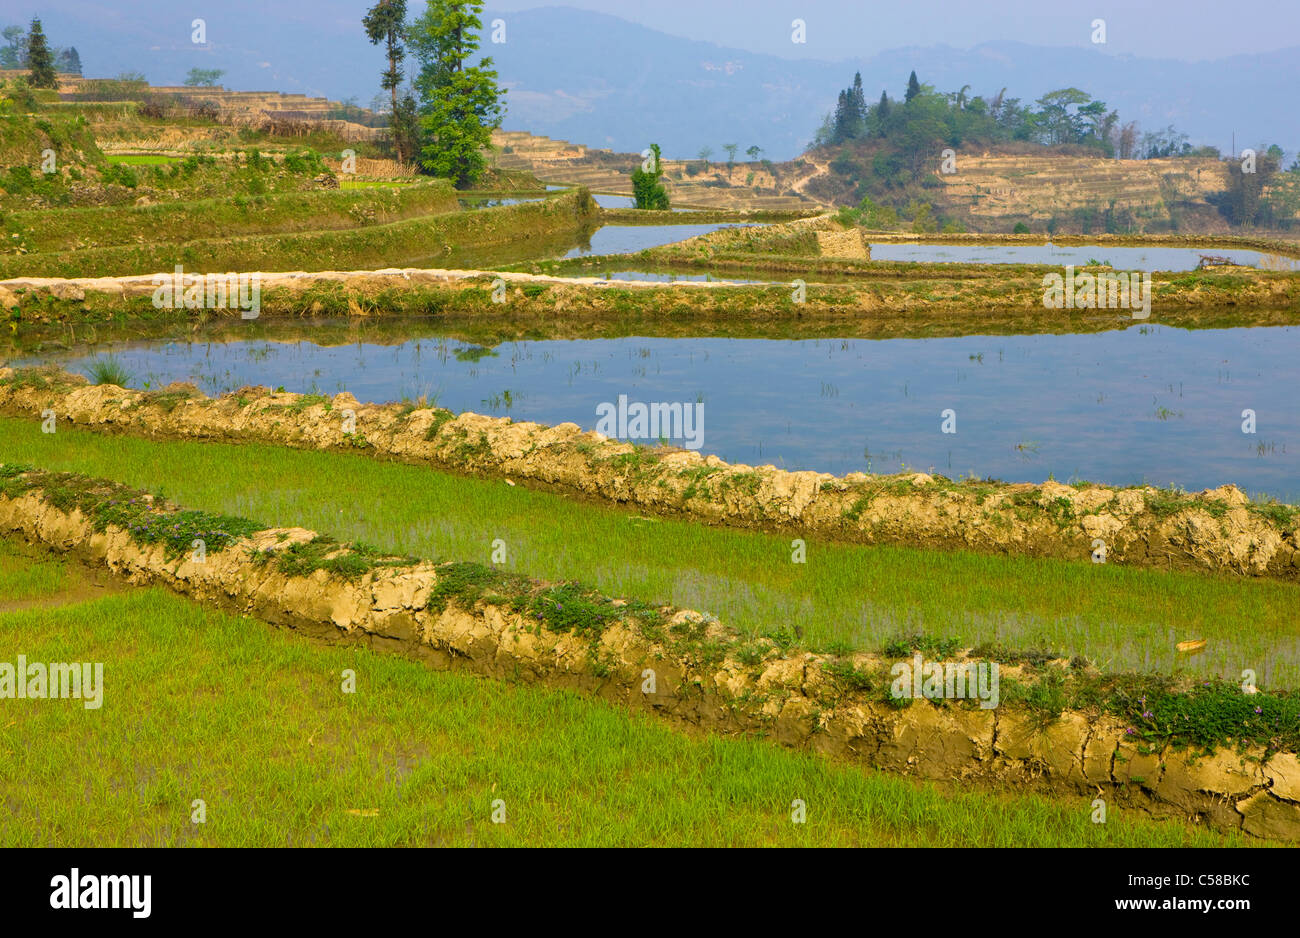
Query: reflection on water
pixel 651 276
pixel 1149 403
pixel 628 239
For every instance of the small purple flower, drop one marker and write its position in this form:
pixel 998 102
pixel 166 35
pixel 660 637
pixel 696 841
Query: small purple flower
pixel 1259 709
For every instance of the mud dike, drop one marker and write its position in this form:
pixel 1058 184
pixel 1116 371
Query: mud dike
pixel 680 664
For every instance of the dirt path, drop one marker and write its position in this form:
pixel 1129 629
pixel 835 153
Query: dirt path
pixel 820 168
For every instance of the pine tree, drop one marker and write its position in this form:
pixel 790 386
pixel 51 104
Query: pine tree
pixel 913 87
pixel 843 119
pixel 40 62
pixel 459 105
pixel 859 99
pixel 386 23
pixel 882 114
pixel 70 61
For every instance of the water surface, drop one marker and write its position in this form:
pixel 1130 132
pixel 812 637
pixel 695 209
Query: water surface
pixel 1146 404
pixel 1121 258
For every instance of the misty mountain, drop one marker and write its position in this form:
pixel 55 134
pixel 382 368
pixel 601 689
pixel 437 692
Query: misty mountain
pixel 606 82
pixel 603 81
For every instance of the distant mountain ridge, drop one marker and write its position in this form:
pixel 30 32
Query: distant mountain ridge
pixel 607 82
pixel 611 83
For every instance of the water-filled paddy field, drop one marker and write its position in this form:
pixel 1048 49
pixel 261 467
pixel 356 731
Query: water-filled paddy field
pixel 627 239
pixel 1118 257
pixel 1147 404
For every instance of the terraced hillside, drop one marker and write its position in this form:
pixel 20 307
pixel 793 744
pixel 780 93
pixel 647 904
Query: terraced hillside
pixel 997 190
pixel 756 186
pixel 992 191
pixel 241 107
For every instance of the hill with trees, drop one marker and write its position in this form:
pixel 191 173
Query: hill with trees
pixel 929 160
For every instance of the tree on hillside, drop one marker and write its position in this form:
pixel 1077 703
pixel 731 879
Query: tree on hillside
pixel 705 154
pixel 203 77
pixel 459 104
pixel 753 152
pixel 731 149
pixel 913 88
pixel 386 23
pixel 40 61
pixel 1126 142
pixel 13 54
pixel 850 113
pixel 404 126
pixel 69 60
pixel 648 192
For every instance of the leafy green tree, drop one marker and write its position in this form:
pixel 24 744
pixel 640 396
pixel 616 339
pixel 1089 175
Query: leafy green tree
pixel 13 54
pixel 646 188
pixel 731 149
pixel 705 154
pixel 459 104
pixel 404 125
pixel 753 152
pixel 386 23
pixel 40 61
pixel 203 77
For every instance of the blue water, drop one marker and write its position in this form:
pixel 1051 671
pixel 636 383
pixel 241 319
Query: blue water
pixel 494 203
pixel 1147 404
pixel 605 200
pixel 656 277
pixel 628 239
pixel 1121 258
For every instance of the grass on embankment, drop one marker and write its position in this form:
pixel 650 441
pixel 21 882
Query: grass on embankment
pixel 167 223
pixel 373 246
pixel 843 596
pixel 201 705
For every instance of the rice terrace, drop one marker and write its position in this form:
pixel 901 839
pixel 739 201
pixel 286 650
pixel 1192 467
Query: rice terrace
pixel 492 465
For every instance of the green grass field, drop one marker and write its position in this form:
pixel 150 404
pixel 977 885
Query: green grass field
pixel 27 574
pixel 364 241
pixel 180 222
pixel 375 183
pixel 254 722
pixel 1124 619
pixel 142 159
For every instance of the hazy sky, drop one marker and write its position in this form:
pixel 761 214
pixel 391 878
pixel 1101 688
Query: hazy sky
pixel 1181 29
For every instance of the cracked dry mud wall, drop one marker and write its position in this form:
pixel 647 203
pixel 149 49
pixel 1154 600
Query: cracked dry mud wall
pixel 1216 531
pixel 786 696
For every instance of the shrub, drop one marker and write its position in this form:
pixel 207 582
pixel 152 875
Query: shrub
pixel 108 370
